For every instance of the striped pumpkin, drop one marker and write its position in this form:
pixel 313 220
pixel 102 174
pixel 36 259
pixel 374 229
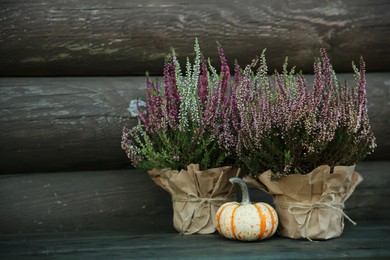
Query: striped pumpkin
pixel 246 221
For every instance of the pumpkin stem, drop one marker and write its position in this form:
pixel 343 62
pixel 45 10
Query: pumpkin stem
pixel 244 189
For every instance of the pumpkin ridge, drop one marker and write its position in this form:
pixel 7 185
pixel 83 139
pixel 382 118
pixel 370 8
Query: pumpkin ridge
pixel 218 217
pixel 232 226
pixel 263 226
pixel 272 220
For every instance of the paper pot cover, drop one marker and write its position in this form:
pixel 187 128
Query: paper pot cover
pixel 311 205
pixel 196 195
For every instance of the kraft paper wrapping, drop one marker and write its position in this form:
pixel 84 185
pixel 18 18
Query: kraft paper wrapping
pixel 196 195
pixel 311 205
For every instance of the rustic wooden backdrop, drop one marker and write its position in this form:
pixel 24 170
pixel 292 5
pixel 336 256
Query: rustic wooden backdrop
pixel 129 201
pixel 95 37
pixel 69 70
pixel 75 123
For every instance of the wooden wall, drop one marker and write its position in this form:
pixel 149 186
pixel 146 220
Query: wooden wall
pixel 96 37
pixel 74 123
pixel 63 124
pixel 128 201
pixel 68 124
pixel 68 71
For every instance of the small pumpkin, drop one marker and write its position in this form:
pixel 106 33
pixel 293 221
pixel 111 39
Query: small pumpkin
pixel 246 221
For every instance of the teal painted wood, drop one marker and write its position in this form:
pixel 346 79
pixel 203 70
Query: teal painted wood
pixel 366 241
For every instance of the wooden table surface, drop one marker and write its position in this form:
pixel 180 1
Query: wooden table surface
pixel 364 241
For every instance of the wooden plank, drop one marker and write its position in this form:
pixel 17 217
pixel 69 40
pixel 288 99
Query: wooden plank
pixel 75 123
pixel 80 201
pixel 128 201
pixel 97 37
pixel 369 241
pixel 57 124
pixel 370 199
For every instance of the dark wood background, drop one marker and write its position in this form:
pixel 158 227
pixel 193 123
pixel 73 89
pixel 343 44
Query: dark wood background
pixel 128 201
pixel 95 37
pixel 69 69
pixel 75 123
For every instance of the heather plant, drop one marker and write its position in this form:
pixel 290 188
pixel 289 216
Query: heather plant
pixel 291 128
pixel 182 117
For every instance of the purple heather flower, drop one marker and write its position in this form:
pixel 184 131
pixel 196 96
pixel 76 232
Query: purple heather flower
pixel 171 95
pixel 288 126
pixel 203 83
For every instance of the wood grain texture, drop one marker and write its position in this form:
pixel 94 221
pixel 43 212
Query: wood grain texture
pixel 97 37
pixel 54 124
pixel 368 241
pixel 124 200
pixel 128 201
pixel 68 124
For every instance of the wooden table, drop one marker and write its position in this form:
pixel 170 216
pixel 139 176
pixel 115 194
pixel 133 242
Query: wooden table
pixel 365 241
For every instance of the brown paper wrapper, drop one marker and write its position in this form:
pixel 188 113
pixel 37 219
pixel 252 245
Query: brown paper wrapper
pixel 196 195
pixel 311 205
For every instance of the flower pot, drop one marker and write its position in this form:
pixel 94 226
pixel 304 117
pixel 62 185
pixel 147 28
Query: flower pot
pixel 310 206
pixel 196 195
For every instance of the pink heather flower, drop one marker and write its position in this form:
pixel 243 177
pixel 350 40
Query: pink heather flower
pixel 182 116
pixel 153 103
pixel 223 85
pixel 203 83
pixel 289 127
pixel 226 119
pixel 171 95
